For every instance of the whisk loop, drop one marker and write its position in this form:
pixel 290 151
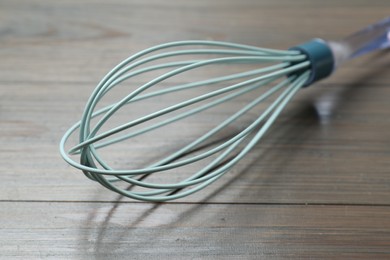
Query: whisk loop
pixel 285 71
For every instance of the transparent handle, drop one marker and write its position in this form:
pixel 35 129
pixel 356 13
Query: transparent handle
pixel 373 37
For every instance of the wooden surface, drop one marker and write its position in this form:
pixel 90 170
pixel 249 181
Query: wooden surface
pixel 317 187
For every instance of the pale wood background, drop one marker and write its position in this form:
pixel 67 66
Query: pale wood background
pixel 318 188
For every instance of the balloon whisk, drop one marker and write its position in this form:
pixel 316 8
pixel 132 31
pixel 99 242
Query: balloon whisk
pixel 237 90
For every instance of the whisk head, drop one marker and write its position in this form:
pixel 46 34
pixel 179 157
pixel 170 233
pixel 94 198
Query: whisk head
pixel 148 97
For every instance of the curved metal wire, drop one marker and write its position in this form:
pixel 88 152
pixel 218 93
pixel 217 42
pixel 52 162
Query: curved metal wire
pixel 275 65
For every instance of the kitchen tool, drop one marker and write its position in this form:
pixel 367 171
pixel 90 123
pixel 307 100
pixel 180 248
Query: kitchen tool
pixel 280 73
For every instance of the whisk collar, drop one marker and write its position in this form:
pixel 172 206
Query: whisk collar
pixel 321 59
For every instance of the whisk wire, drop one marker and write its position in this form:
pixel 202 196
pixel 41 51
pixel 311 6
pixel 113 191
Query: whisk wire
pixel 201 177
pixel 95 168
pixel 121 68
pixel 209 160
pixel 93 138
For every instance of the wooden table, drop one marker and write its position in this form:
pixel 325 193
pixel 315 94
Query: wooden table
pixel 319 186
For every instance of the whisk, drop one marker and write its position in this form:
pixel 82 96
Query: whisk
pixel 281 73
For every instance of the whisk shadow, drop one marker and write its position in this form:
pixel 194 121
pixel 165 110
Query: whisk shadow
pixel 99 247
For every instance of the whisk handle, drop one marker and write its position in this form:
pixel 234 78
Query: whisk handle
pixel 326 56
pixel 374 37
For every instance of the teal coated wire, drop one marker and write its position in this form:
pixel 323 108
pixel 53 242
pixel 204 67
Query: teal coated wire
pixel 274 65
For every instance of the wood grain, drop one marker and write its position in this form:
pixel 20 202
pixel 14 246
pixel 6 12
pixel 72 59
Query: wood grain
pixel 318 186
pixel 193 231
